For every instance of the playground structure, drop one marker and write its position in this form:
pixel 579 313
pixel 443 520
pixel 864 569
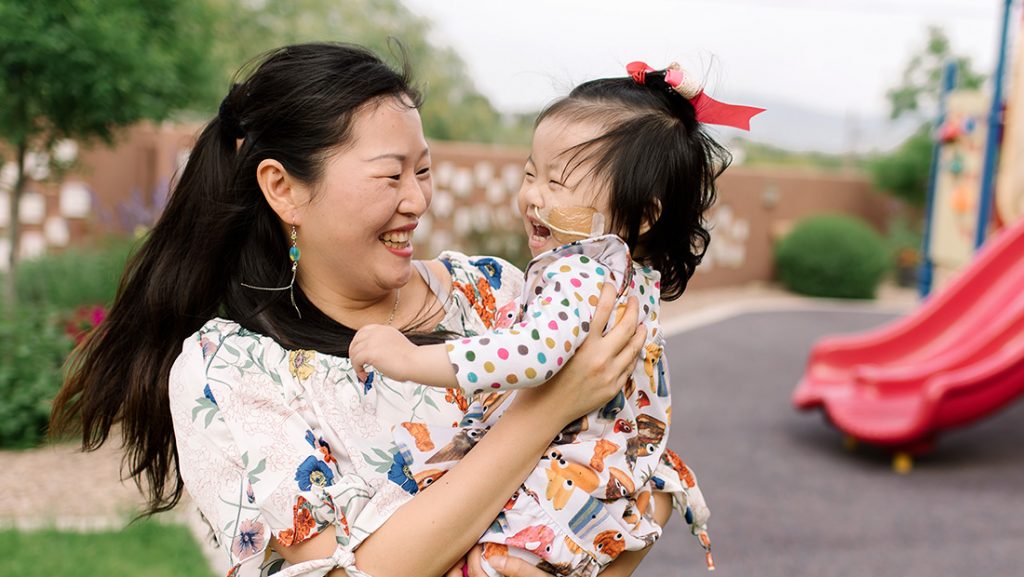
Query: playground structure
pixel 960 356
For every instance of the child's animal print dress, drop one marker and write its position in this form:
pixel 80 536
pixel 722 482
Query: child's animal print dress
pixel 589 499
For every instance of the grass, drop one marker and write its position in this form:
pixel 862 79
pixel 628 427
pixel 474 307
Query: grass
pixel 144 549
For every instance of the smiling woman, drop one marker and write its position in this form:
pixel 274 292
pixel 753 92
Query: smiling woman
pixel 310 182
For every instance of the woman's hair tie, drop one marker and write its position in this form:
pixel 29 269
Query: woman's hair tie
pixel 230 125
pixel 709 110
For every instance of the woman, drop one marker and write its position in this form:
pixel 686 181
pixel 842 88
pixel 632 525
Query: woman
pixel 288 230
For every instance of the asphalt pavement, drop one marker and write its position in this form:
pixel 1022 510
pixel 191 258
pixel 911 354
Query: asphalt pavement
pixel 787 500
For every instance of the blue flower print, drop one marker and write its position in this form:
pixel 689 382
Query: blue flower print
pixel 400 475
pixel 313 471
pixel 209 395
pixel 491 269
pixel 368 384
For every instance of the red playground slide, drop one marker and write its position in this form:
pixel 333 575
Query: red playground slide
pixel 956 359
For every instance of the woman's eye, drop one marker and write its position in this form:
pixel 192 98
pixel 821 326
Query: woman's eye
pixel 396 176
pixel 423 171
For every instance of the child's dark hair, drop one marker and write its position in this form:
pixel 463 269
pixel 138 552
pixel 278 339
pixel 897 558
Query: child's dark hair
pixel 661 166
pixel 217 232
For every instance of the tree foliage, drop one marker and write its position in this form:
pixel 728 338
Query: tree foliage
pixel 81 68
pixel 904 172
pixel 454 108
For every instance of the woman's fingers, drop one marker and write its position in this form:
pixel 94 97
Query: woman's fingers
pixel 605 306
pixel 516 567
pixel 456 570
pixel 473 562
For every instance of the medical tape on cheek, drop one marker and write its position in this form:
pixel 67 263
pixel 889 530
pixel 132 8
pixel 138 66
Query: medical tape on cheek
pixel 567 223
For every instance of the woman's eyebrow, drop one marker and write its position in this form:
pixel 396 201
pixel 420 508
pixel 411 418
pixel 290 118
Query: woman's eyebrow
pixel 397 156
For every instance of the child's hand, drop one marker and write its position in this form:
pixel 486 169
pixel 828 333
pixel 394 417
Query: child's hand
pixel 383 347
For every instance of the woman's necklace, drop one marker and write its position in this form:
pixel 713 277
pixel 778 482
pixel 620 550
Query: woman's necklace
pixel 394 309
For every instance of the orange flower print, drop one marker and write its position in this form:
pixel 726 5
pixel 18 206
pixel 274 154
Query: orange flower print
pixel 300 364
pixel 344 523
pixel 456 397
pixel 302 523
pixel 485 307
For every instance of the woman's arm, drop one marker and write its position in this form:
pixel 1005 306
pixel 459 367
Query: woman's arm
pixel 436 528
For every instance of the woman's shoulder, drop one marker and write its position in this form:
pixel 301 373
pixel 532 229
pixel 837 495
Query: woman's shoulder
pixel 220 337
pixel 491 286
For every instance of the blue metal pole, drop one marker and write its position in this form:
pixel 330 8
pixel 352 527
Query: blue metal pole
pixel 924 277
pixel 995 130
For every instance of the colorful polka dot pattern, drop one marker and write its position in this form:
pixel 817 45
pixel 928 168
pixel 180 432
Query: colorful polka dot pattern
pixel 618 450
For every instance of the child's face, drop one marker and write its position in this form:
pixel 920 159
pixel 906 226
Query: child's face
pixel 556 180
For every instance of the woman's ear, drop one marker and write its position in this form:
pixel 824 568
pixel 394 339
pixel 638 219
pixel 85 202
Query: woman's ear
pixel 285 195
pixel 646 225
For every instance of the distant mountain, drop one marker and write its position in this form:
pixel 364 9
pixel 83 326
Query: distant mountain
pixel 800 128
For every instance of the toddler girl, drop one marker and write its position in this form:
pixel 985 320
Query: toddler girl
pixel 618 180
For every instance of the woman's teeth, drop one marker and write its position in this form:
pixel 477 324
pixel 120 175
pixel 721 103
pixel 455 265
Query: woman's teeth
pixel 395 239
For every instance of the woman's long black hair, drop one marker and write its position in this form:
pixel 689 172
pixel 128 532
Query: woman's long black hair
pixel 660 162
pixel 217 232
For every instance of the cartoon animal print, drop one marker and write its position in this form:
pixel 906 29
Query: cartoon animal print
pixel 473 417
pixel 492 402
pixel 495 550
pixel 421 434
pixel 564 477
pixel 459 446
pixel 589 518
pixel 662 379
pixel 630 387
pixel 610 543
pixel 426 478
pixel 623 426
pixel 637 508
pixel 650 432
pixel 506 315
pixel 642 400
pixel 603 448
pixel 685 474
pixel 571 431
pixel 536 539
pixel 620 485
pixel 652 354
pixel 610 410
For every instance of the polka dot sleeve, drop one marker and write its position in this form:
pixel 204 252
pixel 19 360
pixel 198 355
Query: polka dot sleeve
pixel 554 322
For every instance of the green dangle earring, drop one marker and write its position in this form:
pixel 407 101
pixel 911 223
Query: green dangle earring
pixel 293 254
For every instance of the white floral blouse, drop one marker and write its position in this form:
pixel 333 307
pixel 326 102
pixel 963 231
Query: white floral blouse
pixel 288 442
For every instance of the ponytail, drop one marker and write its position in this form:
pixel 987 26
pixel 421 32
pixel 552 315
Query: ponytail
pixel 216 232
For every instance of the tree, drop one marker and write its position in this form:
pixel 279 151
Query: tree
pixel 904 172
pixel 453 109
pixel 82 68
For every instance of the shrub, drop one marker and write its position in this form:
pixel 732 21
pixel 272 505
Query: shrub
pixel 35 346
pixel 832 256
pixel 74 278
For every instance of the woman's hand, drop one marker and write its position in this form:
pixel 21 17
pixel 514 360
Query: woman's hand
pixel 470 566
pixel 598 370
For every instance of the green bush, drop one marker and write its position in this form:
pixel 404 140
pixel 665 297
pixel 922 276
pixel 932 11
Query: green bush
pixel 35 346
pixel 832 256
pixel 74 278
pixel 60 297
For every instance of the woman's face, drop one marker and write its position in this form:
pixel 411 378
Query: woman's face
pixel 356 232
pixel 556 180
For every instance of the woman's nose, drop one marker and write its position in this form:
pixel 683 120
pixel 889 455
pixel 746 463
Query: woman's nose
pixel 415 197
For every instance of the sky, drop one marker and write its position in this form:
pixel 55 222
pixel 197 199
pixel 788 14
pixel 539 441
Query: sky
pixel 834 56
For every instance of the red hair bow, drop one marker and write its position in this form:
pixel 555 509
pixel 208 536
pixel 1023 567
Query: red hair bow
pixel 709 110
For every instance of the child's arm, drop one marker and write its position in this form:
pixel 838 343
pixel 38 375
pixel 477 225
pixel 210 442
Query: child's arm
pixel 529 353
pixel 388 351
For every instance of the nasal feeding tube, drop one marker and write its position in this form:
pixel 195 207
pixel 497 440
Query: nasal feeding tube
pixel 568 223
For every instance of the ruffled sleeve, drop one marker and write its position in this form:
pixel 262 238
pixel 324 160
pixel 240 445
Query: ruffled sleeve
pixel 253 464
pixel 675 477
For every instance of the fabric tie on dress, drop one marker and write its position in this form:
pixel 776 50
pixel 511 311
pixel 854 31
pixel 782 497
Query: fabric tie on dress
pixel 341 558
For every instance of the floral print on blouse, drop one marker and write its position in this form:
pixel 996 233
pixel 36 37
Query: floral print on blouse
pixel 288 442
